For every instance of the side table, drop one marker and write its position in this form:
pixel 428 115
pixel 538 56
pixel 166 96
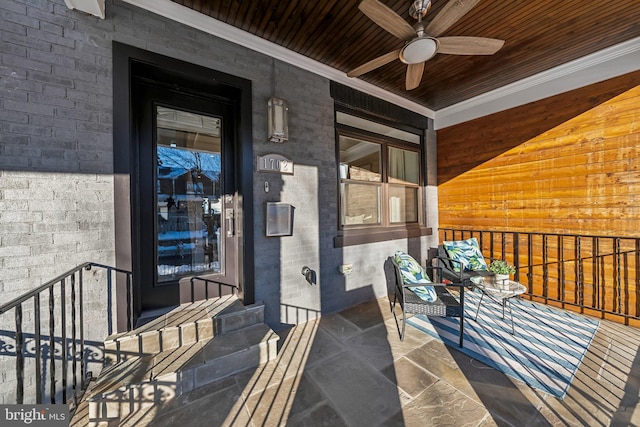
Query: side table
pixel 500 292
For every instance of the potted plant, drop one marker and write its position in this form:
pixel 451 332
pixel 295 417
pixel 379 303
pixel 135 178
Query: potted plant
pixel 502 270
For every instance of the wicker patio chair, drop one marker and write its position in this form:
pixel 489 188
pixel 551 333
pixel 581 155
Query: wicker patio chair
pixel 461 276
pixel 445 305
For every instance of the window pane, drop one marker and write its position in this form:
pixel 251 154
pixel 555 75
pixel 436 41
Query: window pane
pixel 403 204
pixel 360 204
pixel 359 160
pixel 404 166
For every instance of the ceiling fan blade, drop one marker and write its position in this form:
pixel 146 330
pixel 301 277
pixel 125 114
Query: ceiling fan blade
pixel 449 15
pixel 374 63
pixel 414 75
pixel 461 45
pixel 387 19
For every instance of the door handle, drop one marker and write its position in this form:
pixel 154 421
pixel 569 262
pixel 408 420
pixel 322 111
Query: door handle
pixel 231 223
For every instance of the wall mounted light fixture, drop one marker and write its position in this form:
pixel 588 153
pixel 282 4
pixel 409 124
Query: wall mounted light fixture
pixel 92 7
pixel 278 120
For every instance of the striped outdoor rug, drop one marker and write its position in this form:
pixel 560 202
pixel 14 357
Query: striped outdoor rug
pixel 545 351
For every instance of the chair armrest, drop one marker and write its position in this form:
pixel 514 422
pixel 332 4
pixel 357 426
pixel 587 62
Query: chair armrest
pixel 452 261
pixel 441 285
pixel 435 270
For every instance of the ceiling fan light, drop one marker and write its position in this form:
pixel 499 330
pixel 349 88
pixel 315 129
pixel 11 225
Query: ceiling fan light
pixel 419 50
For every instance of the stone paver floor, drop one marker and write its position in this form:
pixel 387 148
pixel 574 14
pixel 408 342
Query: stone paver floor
pixel 351 369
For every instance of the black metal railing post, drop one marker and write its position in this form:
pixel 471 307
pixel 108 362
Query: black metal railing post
pixel 38 348
pixel 19 357
pixel 129 305
pixel 637 281
pixel 52 349
pixel 63 333
pixel 83 368
pixel 74 365
pixel 560 268
pixel 516 255
pixel 579 292
pixel 545 267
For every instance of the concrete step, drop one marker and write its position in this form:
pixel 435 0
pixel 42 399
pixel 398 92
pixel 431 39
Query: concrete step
pixel 138 382
pixel 183 326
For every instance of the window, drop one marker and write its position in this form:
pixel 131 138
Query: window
pixel 380 176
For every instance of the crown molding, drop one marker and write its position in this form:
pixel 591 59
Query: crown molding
pixel 205 23
pixel 608 63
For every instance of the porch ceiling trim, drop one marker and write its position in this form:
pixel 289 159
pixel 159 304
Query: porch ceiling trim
pixel 615 61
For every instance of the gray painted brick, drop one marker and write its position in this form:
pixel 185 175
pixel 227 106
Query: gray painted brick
pixel 19 216
pixel 21 151
pixel 71 113
pixel 15 116
pixel 51 28
pixel 59 143
pixel 80 77
pixel 28 64
pixel 40 4
pixel 65 134
pixel 52 121
pixel 52 58
pixel 51 79
pixel 13 49
pixel 24 40
pixel 55 164
pixel 25 129
pixel 10 104
pixel 11 162
pixel 19 18
pixel 14 28
pixel 7 250
pixel 14 7
pixel 14 228
pixel 14 95
pixel 55 91
pixel 22 85
pixel 11 273
pixel 13 72
pixel 51 38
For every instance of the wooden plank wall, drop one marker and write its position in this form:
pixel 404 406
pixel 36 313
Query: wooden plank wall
pixel 565 164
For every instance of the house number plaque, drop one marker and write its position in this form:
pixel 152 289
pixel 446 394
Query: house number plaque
pixel 275 163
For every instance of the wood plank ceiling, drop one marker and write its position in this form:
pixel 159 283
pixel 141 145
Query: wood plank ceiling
pixel 539 35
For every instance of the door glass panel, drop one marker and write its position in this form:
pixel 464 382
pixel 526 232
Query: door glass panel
pixel 188 171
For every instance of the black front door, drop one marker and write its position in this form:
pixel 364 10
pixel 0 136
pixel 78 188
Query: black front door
pixel 184 190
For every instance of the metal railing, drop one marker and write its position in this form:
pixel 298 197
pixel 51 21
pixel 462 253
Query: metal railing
pixel 207 289
pixel 65 296
pixel 597 275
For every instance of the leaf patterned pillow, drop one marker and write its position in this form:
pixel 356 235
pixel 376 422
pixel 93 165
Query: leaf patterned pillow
pixel 466 252
pixel 412 273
